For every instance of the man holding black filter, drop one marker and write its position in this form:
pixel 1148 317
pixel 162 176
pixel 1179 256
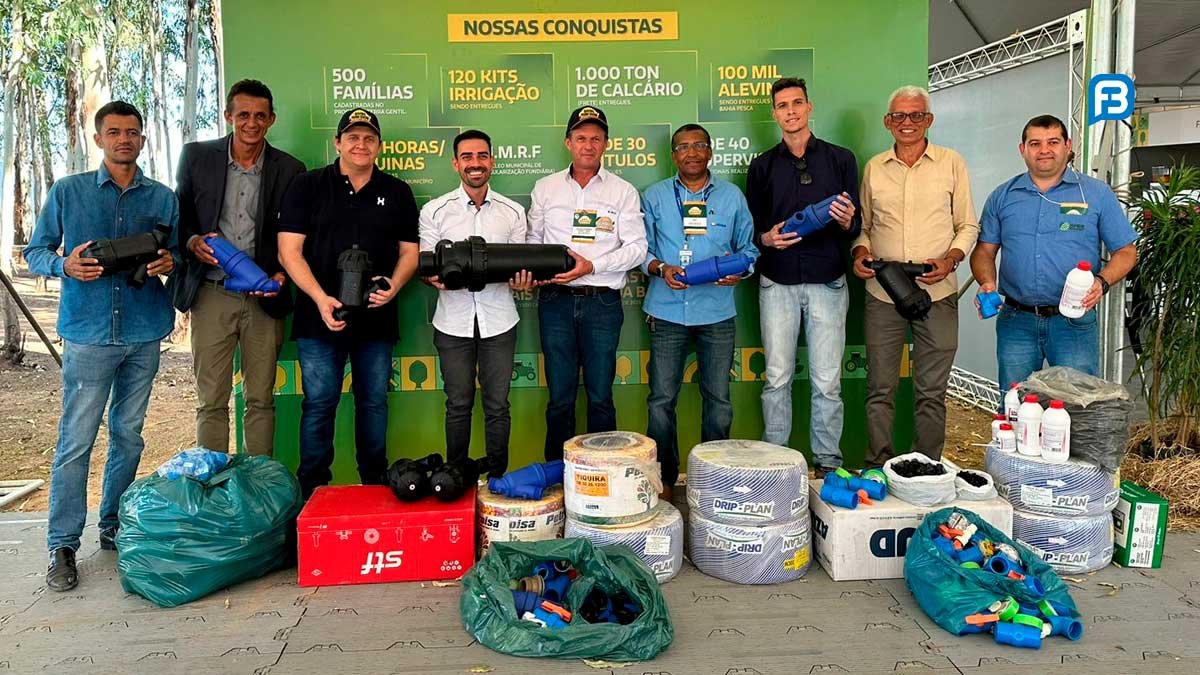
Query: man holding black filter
pixel 803 279
pixel 334 222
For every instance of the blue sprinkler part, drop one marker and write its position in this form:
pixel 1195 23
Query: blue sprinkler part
pixel 972 554
pixel 1000 564
pixel 810 219
pixel 1066 626
pixel 1035 586
pixel 839 496
pixel 556 584
pixel 874 489
pixel 946 546
pixel 526 602
pixel 241 272
pixel 989 304
pixel 1017 635
pixel 711 270
pixel 530 482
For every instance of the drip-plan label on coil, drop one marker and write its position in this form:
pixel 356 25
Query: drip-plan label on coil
pixel 657 544
pixel 749 546
pixel 1039 496
pixel 794 540
pixel 591 483
pixel 798 560
pixel 726 507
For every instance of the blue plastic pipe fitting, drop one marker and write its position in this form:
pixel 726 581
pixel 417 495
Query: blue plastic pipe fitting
pixel 530 482
pixel 875 490
pixel 556 583
pixel 972 554
pixel 713 269
pixel 989 304
pixel 241 272
pixel 946 546
pixel 551 619
pixel 1066 626
pixel 839 496
pixel 1000 564
pixel 810 219
pixel 1036 587
pixel 526 602
pixel 1017 635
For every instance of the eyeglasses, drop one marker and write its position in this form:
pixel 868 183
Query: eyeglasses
pixel 801 165
pixel 914 117
pixel 682 148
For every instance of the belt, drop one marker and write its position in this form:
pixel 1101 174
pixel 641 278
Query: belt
pixel 1038 310
pixel 215 283
pixel 585 290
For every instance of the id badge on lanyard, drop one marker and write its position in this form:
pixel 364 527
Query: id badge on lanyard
pixel 583 227
pixel 695 217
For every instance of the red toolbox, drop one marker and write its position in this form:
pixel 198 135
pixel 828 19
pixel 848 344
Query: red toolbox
pixel 362 534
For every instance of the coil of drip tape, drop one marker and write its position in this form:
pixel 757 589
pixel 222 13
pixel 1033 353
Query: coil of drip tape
pixel 658 542
pixel 1069 545
pixel 749 554
pixel 501 518
pixel 747 482
pixel 1073 488
pixel 612 479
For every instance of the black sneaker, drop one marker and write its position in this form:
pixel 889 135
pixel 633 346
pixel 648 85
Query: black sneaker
pixel 62 575
pixel 108 539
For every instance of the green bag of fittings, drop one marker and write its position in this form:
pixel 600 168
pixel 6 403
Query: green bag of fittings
pixel 489 614
pixel 949 592
pixel 181 538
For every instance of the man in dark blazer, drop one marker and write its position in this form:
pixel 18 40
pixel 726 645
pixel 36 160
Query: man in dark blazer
pixel 232 187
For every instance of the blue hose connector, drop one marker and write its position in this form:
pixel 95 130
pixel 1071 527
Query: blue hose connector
pixel 838 496
pixel 1017 635
pixel 972 554
pixel 946 546
pixel 1066 626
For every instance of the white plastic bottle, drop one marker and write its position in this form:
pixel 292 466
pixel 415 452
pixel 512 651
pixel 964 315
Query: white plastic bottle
pixel 1056 433
pixel 1029 427
pixel 1007 439
pixel 1079 282
pixel 1000 419
pixel 1012 401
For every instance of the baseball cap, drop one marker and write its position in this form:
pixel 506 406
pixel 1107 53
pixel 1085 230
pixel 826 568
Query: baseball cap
pixel 587 114
pixel 356 117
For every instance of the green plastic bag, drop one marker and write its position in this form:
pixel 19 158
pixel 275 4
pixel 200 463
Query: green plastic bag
pixel 949 593
pixel 181 539
pixel 488 612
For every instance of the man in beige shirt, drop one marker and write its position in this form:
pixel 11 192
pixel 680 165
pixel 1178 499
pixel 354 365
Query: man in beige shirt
pixel 916 203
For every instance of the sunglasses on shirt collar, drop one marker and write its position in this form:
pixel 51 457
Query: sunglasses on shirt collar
pixel 801 165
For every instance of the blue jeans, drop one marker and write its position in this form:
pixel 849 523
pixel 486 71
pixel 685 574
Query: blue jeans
pixel 322 365
pixel 821 309
pixel 578 330
pixel 669 344
pixel 1024 340
pixel 91 375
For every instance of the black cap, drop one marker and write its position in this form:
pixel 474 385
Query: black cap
pixel 587 114
pixel 356 117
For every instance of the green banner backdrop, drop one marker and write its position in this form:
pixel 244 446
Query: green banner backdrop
pixel 431 70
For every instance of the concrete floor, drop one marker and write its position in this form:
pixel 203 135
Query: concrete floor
pixel 1147 622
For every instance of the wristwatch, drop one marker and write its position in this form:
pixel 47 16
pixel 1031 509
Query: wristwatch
pixel 1104 285
pixel 660 272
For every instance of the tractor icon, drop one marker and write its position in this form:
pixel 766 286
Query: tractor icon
pixel 856 361
pixel 521 369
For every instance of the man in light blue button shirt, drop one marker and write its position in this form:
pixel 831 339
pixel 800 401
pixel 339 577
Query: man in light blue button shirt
pixel 718 223
pixel 111 328
pixel 1047 221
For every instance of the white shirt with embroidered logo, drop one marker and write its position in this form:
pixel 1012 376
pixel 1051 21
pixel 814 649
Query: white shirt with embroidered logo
pixel 499 220
pixel 616 250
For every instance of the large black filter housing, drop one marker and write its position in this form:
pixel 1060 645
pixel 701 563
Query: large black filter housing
pixel 134 252
pixel 474 263
pixel 899 282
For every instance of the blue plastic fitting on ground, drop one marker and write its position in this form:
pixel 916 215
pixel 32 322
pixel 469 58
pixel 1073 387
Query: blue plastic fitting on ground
pixel 875 490
pixel 968 629
pixel 1036 587
pixel 713 269
pixel 838 496
pixel 972 554
pixel 530 482
pixel 526 602
pixel 947 547
pixel 1017 635
pixel 241 272
pixel 810 219
pixel 1066 626
pixel 989 304
pixel 1000 564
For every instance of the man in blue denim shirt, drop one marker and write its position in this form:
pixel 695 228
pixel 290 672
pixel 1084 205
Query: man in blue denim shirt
pixel 110 328
pixel 1047 221
pixel 678 313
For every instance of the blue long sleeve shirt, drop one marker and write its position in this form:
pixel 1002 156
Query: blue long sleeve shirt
pixel 90 206
pixel 730 230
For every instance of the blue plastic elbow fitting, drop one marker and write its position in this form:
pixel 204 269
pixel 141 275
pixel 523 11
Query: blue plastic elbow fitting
pixel 946 546
pixel 241 272
pixel 1000 564
pixel 551 619
pixel 835 480
pixel 713 269
pixel 972 554
pixel 556 583
pixel 1035 586
pixel 875 490
pixel 526 602
pixel 1017 635
pixel 838 496
pixel 810 219
pixel 530 482
pixel 1066 626
pixel 989 304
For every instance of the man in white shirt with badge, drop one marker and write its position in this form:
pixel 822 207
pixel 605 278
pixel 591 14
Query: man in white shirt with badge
pixel 599 217
pixel 475 332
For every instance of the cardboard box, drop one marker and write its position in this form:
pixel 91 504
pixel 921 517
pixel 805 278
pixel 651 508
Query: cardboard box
pixel 362 534
pixel 1139 527
pixel 870 542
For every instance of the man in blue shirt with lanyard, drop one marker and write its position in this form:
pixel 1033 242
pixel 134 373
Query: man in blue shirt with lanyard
pixel 1047 221
pixel 690 217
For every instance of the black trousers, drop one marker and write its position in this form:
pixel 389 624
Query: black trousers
pixel 491 360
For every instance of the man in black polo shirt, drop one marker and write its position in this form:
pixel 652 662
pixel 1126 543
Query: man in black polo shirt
pixel 803 279
pixel 330 217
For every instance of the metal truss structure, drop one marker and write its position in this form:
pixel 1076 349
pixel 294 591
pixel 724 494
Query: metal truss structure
pixel 974 390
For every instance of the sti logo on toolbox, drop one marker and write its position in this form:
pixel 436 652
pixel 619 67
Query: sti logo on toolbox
pixel 1111 97
pixel 378 561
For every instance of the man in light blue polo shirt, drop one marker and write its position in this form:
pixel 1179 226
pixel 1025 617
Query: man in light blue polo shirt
pixel 718 223
pixel 1047 221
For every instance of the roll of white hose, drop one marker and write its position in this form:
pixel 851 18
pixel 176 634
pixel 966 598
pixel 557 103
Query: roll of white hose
pixel 612 479
pixel 739 482
pixel 658 542
pixel 1071 488
pixel 501 518
pixel 1069 545
pixel 749 554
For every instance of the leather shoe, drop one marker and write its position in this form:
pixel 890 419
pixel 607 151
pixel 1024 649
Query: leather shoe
pixel 62 575
pixel 108 539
